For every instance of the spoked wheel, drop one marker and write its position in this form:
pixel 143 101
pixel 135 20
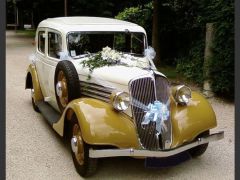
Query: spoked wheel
pixel 33 101
pixel 62 90
pixel 84 165
pixel 67 85
pixel 199 150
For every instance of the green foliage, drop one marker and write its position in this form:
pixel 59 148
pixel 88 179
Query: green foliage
pixel 191 65
pixel 182 39
pixel 195 15
pixel 95 61
pixel 222 66
pixel 28 33
pixel 141 15
pixel 169 71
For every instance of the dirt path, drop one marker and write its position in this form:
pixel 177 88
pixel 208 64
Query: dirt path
pixel 35 152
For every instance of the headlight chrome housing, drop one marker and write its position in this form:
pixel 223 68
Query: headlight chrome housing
pixel 120 100
pixel 182 94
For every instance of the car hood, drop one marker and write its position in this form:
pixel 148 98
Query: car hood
pixel 117 74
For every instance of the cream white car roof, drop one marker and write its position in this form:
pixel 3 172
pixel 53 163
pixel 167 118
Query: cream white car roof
pixel 68 24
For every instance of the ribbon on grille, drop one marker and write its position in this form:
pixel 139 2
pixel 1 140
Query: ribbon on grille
pixel 156 112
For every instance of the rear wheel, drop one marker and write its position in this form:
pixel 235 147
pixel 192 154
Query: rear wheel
pixel 199 150
pixel 33 101
pixel 84 165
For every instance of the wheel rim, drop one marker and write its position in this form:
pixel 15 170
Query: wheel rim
pixel 32 93
pixel 77 144
pixel 61 89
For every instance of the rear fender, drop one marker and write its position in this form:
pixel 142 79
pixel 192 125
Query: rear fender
pixel 33 82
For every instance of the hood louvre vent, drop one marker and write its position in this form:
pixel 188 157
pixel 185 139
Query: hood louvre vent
pixel 95 91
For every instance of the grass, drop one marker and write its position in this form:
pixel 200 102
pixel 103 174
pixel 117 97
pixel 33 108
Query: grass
pixel 29 33
pixel 169 71
pixel 176 78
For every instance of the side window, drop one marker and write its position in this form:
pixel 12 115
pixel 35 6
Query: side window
pixel 54 44
pixel 41 41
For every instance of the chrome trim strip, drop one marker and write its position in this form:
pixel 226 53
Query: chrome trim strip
pixel 146 153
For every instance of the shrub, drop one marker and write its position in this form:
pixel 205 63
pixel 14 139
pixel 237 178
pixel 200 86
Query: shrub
pixel 191 66
pixel 222 66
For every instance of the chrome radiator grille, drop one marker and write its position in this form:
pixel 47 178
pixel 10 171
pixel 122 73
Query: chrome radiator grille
pixel 142 92
pixel 95 91
pixel 163 95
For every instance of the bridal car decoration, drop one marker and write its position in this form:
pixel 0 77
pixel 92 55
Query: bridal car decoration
pixel 127 107
pixel 109 57
pixel 156 112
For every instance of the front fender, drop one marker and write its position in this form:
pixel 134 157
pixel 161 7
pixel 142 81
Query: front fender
pixel 191 120
pixel 100 124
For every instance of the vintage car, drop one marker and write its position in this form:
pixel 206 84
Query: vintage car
pixel 94 81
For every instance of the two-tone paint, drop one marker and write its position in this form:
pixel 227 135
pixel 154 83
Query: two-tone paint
pixel 102 125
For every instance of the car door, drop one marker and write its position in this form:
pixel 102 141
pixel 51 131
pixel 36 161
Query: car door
pixel 40 56
pixel 54 47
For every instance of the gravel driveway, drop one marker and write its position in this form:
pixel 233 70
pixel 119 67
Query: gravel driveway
pixel 35 151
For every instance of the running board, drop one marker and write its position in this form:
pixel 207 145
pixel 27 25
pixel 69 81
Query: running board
pixel 51 115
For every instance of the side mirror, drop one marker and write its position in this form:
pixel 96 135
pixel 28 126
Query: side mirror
pixel 150 52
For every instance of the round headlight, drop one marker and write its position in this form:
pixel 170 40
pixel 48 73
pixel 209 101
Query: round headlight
pixel 182 94
pixel 120 101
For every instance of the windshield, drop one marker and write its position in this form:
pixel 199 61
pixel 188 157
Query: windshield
pixel 80 43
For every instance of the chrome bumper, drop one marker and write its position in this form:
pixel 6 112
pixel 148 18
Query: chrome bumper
pixel 146 153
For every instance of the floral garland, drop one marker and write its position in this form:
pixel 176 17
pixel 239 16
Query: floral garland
pixel 108 57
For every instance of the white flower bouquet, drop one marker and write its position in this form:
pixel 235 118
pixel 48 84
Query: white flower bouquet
pixel 109 56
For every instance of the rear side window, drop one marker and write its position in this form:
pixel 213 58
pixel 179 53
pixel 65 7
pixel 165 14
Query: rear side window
pixel 41 41
pixel 54 44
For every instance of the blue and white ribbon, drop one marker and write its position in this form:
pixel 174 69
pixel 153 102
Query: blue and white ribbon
pixel 32 58
pixel 156 112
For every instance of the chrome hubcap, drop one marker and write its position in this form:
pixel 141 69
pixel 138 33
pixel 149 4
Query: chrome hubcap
pixel 74 144
pixel 59 89
pixel 77 144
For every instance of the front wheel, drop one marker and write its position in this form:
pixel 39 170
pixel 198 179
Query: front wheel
pixel 84 165
pixel 199 150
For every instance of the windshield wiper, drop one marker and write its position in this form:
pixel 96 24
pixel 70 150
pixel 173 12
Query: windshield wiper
pixel 81 56
pixel 87 54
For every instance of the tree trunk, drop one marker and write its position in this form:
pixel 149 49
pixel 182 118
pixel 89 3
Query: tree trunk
pixel 65 7
pixel 155 31
pixel 208 54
